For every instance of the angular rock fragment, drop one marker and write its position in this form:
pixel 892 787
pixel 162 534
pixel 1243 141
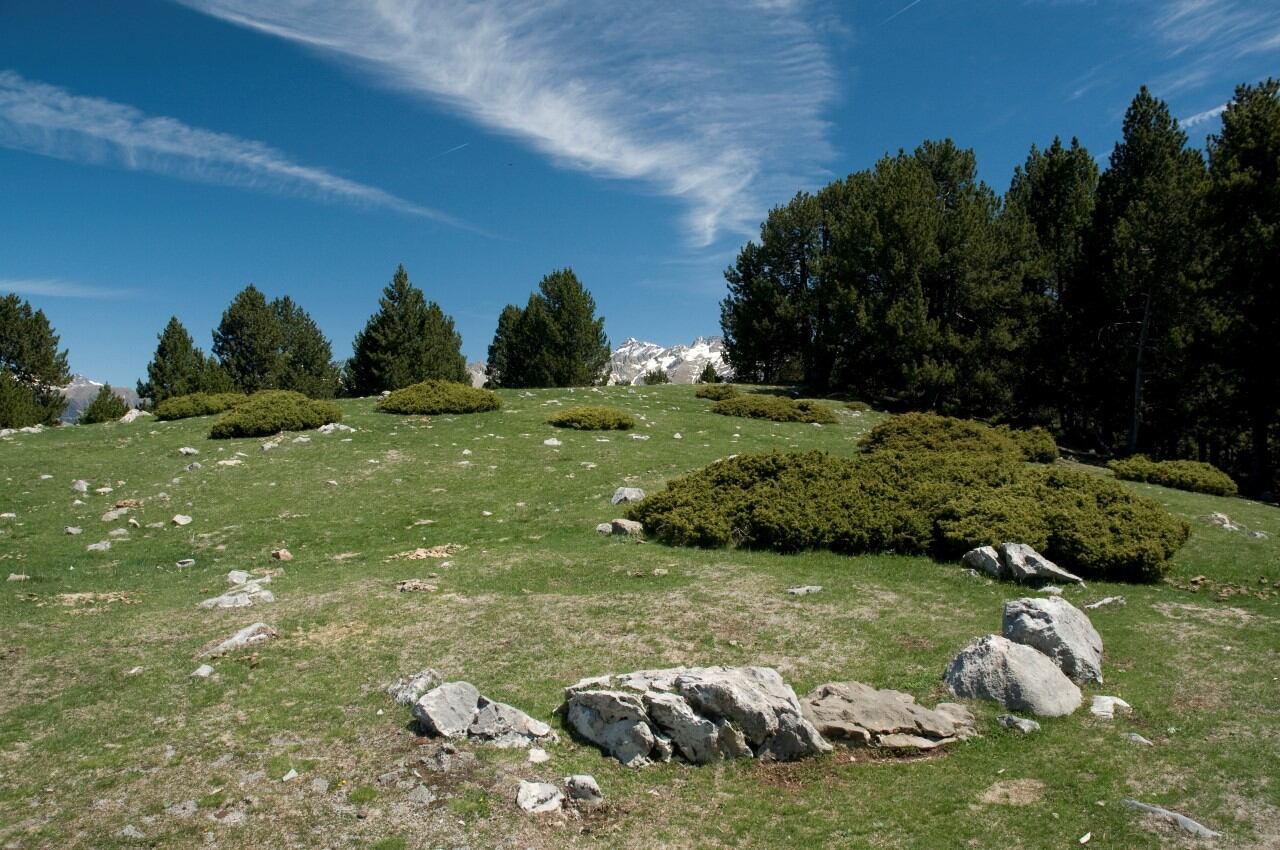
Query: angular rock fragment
pixel 1024 725
pixel 625 495
pixel 538 798
pixel 1017 561
pixel 1105 708
pixel 1058 629
pixel 583 789
pixel 859 714
pixel 700 714
pixel 627 528
pixel 409 689
pixel 246 637
pixel 458 710
pixel 1016 676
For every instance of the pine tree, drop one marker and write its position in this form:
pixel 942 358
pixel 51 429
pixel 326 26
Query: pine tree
pixel 305 360
pixel 408 340
pixel 656 376
pixel 709 375
pixel 1136 305
pixel 555 341
pixel 1243 214
pixel 105 407
pixel 177 368
pixel 31 368
pixel 248 340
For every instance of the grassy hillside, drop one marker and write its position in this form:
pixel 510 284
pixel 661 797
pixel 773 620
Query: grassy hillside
pixel 536 600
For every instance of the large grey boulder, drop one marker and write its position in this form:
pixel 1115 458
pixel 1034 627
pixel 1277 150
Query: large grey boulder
pixel 859 714
pixel 623 495
pixel 458 710
pixel 1016 561
pixel 1018 677
pixel 700 714
pixel 1058 629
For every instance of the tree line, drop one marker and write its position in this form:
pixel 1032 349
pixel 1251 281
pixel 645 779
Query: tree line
pixel 1132 309
pixel 555 341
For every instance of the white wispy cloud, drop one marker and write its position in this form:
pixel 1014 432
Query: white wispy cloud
pixel 49 120
pixel 1201 117
pixel 1209 37
pixel 717 103
pixel 56 288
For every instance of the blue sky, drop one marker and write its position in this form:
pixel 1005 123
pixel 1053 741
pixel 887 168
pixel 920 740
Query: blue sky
pixel 156 156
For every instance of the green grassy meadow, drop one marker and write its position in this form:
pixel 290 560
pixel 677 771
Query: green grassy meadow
pixel 536 600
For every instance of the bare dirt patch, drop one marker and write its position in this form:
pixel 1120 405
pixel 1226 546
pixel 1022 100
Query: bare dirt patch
pixel 1014 792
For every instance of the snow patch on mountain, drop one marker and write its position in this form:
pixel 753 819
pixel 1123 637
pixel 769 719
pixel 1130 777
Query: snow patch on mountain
pixel 683 363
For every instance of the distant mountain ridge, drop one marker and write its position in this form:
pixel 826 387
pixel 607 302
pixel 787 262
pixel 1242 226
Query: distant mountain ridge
pixel 631 360
pixel 682 363
pixel 80 392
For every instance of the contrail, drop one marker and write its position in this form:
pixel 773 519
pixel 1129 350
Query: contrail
pixel 905 8
pixel 449 151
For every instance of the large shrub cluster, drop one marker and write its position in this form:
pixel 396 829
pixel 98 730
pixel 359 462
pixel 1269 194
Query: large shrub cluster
pixel 593 418
pixel 269 412
pixel 432 397
pixel 198 404
pixel 906 495
pixel 716 392
pixel 1037 444
pixel 776 408
pixel 1179 474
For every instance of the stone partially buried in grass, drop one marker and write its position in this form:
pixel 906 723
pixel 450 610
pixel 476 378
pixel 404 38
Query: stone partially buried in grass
pixel 458 710
pixel 700 714
pixel 859 714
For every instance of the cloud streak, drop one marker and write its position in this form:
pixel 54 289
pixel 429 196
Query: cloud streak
pixel 1208 36
pixel 55 288
pixel 1202 117
pixel 718 103
pixel 51 121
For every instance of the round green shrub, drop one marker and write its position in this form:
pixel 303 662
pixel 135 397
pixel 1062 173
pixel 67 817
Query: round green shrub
pixel 1189 475
pixel 197 404
pixel 432 397
pixel 593 418
pixel 775 408
pixel 105 407
pixel 928 432
pixel 901 496
pixel 1037 444
pixel 272 411
pixel 716 392
pixel 858 406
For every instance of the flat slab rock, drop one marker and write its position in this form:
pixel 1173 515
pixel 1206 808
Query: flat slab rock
pixel 698 714
pixel 248 636
pixel 458 710
pixel 1018 562
pixel 1018 677
pixel 1058 629
pixel 858 714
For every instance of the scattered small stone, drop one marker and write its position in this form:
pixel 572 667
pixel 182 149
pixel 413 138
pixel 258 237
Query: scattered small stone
pixel 319 786
pixel 334 427
pixel 194 466
pixel 1184 822
pixel 231 461
pixel 102 491
pixel 677 436
pixel 1258 535
pixel 185 809
pixel 331 483
pixel 537 755
pixel 100 546
pixel 245 592
pixel 118 533
pixel 181 519
pixel 113 515
pixel 1223 521
pixel 421 795
pixel 409 689
pixel 204 671
pixel 805 590
pixel 133 523
pixel 538 798
pixel 413 585
pixel 266 447
pixel 1051 589
pixel 246 637
pixel 583 789
pixel 605 528
pixel 18 577
pixel 639 436
pixel 1024 725
pixel 185 562
pixel 281 555
pixel 302 438
pixel 552 441
pixel 133 671
pixel 188 451
pixel 80 486
pixel 625 495
pixel 1106 707
pixel 133 415
pixel 131 831
pixel 444 550
pixel 45 477
pixel 486 513
pixel 1138 739
pixel 627 527
pixel 290 776
pixel 1106 600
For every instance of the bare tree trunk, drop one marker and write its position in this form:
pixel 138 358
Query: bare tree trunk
pixel 1137 377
